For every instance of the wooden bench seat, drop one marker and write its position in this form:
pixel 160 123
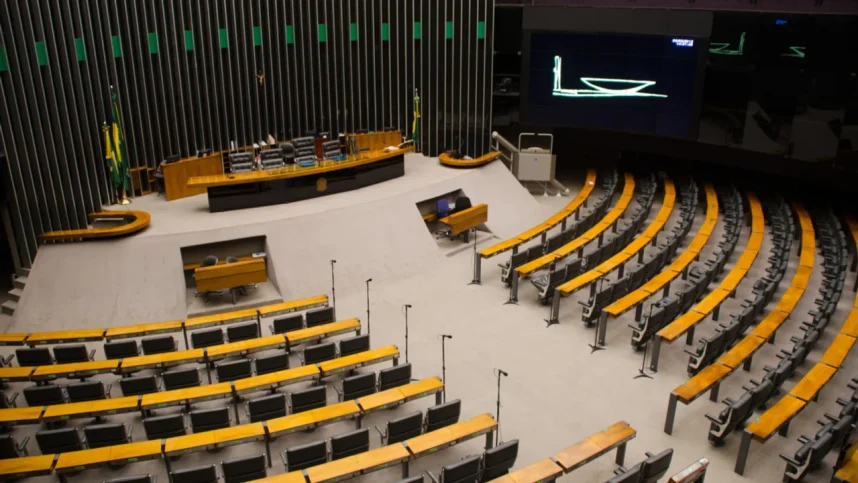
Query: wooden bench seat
pixel 775 419
pixel 811 383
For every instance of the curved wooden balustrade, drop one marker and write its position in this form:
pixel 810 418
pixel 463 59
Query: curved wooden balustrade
pixel 446 160
pixel 136 221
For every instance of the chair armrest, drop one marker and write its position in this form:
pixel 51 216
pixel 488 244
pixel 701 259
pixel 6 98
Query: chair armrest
pixel 432 477
pixel 713 419
pixel 301 358
pixel 283 458
pixel 381 433
pixel 271 328
pixel 22 446
pixel 339 393
pixel 728 400
pixel 842 401
pixel 7 360
pixel 130 432
pixel 11 400
pixel 790 459
pixel 92 355
pixel 692 353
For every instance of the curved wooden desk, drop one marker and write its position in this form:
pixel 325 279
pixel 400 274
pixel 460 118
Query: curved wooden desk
pixel 446 160
pixel 136 221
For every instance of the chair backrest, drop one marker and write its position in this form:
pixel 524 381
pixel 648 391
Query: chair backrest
pixel 288 152
pixel 272 363
pixel 85 391
pixel 248 468
pixel 101 435
pixel 464 471
pixel 353 345
pixel 312 398
pixel 245 331
pixel 443 415
pixel 207 337
pixel 34 356
pixel 158 344
pixel 70 354
pixel 54 441
pixel 133 479
pixel 498 460
pixel 404 428
pixel 633 475
pixel 319 316
pixel 305 456
pixel 358 386
pixel 349 444
pixel 232 370
pixel 181 378
pixel 121 349
pixel 198 474
pixel 44 395
pixel 135 386
pixel 656 466
pixel 320 353
pixel 169 426
pixel 9 447
pixel 209 419
pixel 462 203
pixel 394 376
pixel 209 261
pixel 267 407
pixel 442 207
pixel 283 325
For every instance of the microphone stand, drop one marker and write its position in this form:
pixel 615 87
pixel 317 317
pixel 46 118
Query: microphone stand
pixel 595 345
pixel 642 370
pixel 444 368
pixel 368 326
pixel 407 306
pixel 333 286
pixel 476 279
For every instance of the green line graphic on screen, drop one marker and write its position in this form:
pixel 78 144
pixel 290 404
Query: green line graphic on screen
pixel 609 88
pixel 721 48
pixel 796 51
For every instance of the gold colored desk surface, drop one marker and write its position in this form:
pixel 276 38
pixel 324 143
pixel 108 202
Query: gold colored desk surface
pixel 293 477
pixel 302 336
pixel 361 463
pixel 76 369
pixel 21 416
pixel 578 454
pixel 189 395
pixel 850 325
pixel 27 466
pixel 276 379
pixel 238 434
pixel 133 452
pixel 430 385
pixel 380 400
pixel 140 330
pixel 613 435
pixel 543 470
pixel 741 351
pixel 245 346
pixel 293 171
pixel 812 382
pixel 190 443
pixel 104 407
pixel 12 374
pixel 220 319
pixel 12 339
pixel 628 301
pixel 63 336
pixel 701 382
pixel 849 471
pixel 838 350
pixel 776 416
pixel 355 361
pixel 161 360
pixel 82 460
pixel 450 435
pixel 312 418
pixel 446 159
pixel 137 220
pixel 293 306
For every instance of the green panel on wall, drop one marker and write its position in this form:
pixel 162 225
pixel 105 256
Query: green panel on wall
pixel 481 30
pixel 448 31
pixel 385 32
pixel 80 49
pixel 323 32
pixel 418 31
pixel 353 32
pixel 189 40
pixel 257 36
pixel 153 43
pixel 224 38
pixel 117 46
pixel 41 53
pixel 290 34
pixel 4 61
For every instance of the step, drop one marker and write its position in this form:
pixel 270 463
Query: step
pixel 26 271
pixel 21 282
pixel 9 307
pixel 16 294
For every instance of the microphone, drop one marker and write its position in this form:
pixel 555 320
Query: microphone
pixel 446 336
pixel 503 372
pixel 408 305
pixel 333 261
pixel 369 280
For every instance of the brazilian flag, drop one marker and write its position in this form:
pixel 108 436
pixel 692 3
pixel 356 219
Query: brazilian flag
pixel 114 148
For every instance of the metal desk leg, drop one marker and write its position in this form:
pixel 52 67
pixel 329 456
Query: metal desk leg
pixel 666 290
pixel 166 460
pixel 713 393
pixel 622 271
pixel 716 313
pixel 405 469
pixel 784 429
pixel 477 270
pixel 638 312
pixel 358 421
pixel 621 454
pixel 742 457
pixel 438 397
pixel 747 364
pixel 207 363
pixel 185 333
pixel 602 327
pixel 267 443
pixel 656 350
pixel 513 287
pixel 671 414
pixel 490 440
pixel 689 336
pixel 554 315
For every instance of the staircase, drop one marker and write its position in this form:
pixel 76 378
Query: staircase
pixel 10 305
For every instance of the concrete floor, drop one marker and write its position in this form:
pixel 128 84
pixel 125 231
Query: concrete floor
pixel 557 392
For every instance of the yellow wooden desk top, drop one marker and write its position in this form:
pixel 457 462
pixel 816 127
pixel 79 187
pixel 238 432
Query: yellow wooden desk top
pixel 801 277
pixel 12 339
pixel 712 300
pixel 789 299
pixel 701 382
pixel 293 477
pixel 245 431
pixel 758 226
pixel 446 159
pixel 380 400
pixel 812 382
pixel 578 282
pixel 340 363
pixel 755 241
pixel 28 465
pixel 628 301
pixel 542 470
pixel 659 281
pixel 733 279
pixel 77 368
pixel 635 246
pixel 167 357
pixel 137 220
pixel 808 255
pixel 144 329
pixel 682 261
pixel 420 388
pixel 81 335
pixel 331 413
pixel 775 417
pixel 697 245
pixel 131 451
pixel 613 435
pixel 190 442
pixel 24 415
pixel 838 350
pixel 297 336
pixel 536 264
pixel 747 259
pixel 770 324
pixel 217 319
pixel 577 454
pixel 850 325
pixel 15 373
pixel 246 345
pixel 78 460
pixel 736 356
pixel 293 171
pixel 294 305
pixel 450 434
pixel 104 406
pixel 680 325
pixel 500 247
pixel 849 471
pixel 191 393
pixel 363 462
pixel 279 377
pixel 533 232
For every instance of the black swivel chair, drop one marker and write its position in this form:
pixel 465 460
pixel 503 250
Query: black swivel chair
pixel 101 435
pixel 53 441
pixel 34 356
pixel 134 479
pixel 137 386
pixel 87 391
pixel 209 419
pixel 70 354
pixel 313 398
pixel 240 470
pixel 161 427
pixel 322 315
pixel 318 353
pixel 288 153
pixel 403 428
pixel 44 395
pixel 233 370
pixel 198 474
pixel 239 332
pixel 206 338
pixel 349 444
pixel 304 456
pixel 121 349
pixel 499 460
pixel 354 345
pixel 272 363
pixel 158 344
pixel 266 407
pixel 181 379
pixel 443 415
pixel 9 448
pixel 286 324
pixel 394 377
pixel 357 386
pixel 464 471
